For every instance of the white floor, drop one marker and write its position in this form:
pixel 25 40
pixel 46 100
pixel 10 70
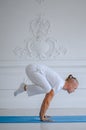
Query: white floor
pixel 43 126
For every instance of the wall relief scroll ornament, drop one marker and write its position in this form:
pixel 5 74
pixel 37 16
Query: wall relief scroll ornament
pixel 40 1
pixel 40 46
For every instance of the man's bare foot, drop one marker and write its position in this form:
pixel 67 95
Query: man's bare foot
pixel 20 89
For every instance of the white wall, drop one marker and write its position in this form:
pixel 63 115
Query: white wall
pixel 47 31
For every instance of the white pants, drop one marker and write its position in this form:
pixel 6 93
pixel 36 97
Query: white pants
pixel 41 77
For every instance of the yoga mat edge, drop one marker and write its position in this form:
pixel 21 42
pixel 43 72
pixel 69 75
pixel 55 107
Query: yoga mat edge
pixel 36 119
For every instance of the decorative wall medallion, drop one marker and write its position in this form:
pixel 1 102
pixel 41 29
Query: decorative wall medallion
pixel 40 1
pixel 40 46
pixel 39 27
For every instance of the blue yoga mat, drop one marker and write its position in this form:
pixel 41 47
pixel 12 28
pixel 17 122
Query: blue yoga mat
pixel 36 119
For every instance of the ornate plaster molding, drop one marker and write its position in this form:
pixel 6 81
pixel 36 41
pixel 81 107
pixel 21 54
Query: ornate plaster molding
pixel 40 1
pixel 40 45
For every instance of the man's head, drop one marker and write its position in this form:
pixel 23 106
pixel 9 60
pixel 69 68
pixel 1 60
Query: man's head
pixel 71 84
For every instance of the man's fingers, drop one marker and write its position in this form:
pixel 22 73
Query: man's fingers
pixel 46 119
pixel 46 116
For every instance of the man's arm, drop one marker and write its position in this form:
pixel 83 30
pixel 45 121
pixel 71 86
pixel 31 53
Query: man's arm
pixel 45 105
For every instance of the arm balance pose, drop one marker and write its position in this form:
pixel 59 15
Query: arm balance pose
pixel 45 80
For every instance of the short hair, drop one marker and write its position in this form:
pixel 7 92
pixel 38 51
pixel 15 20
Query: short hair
pixel 71 77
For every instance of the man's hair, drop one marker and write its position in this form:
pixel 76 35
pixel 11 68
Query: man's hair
pixel 70 77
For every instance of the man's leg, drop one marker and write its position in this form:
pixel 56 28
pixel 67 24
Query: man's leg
pixel 21 89
pixel 31 89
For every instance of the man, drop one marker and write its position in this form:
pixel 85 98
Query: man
pixel 47 81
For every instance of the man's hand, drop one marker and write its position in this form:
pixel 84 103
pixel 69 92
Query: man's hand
pixel 45 105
